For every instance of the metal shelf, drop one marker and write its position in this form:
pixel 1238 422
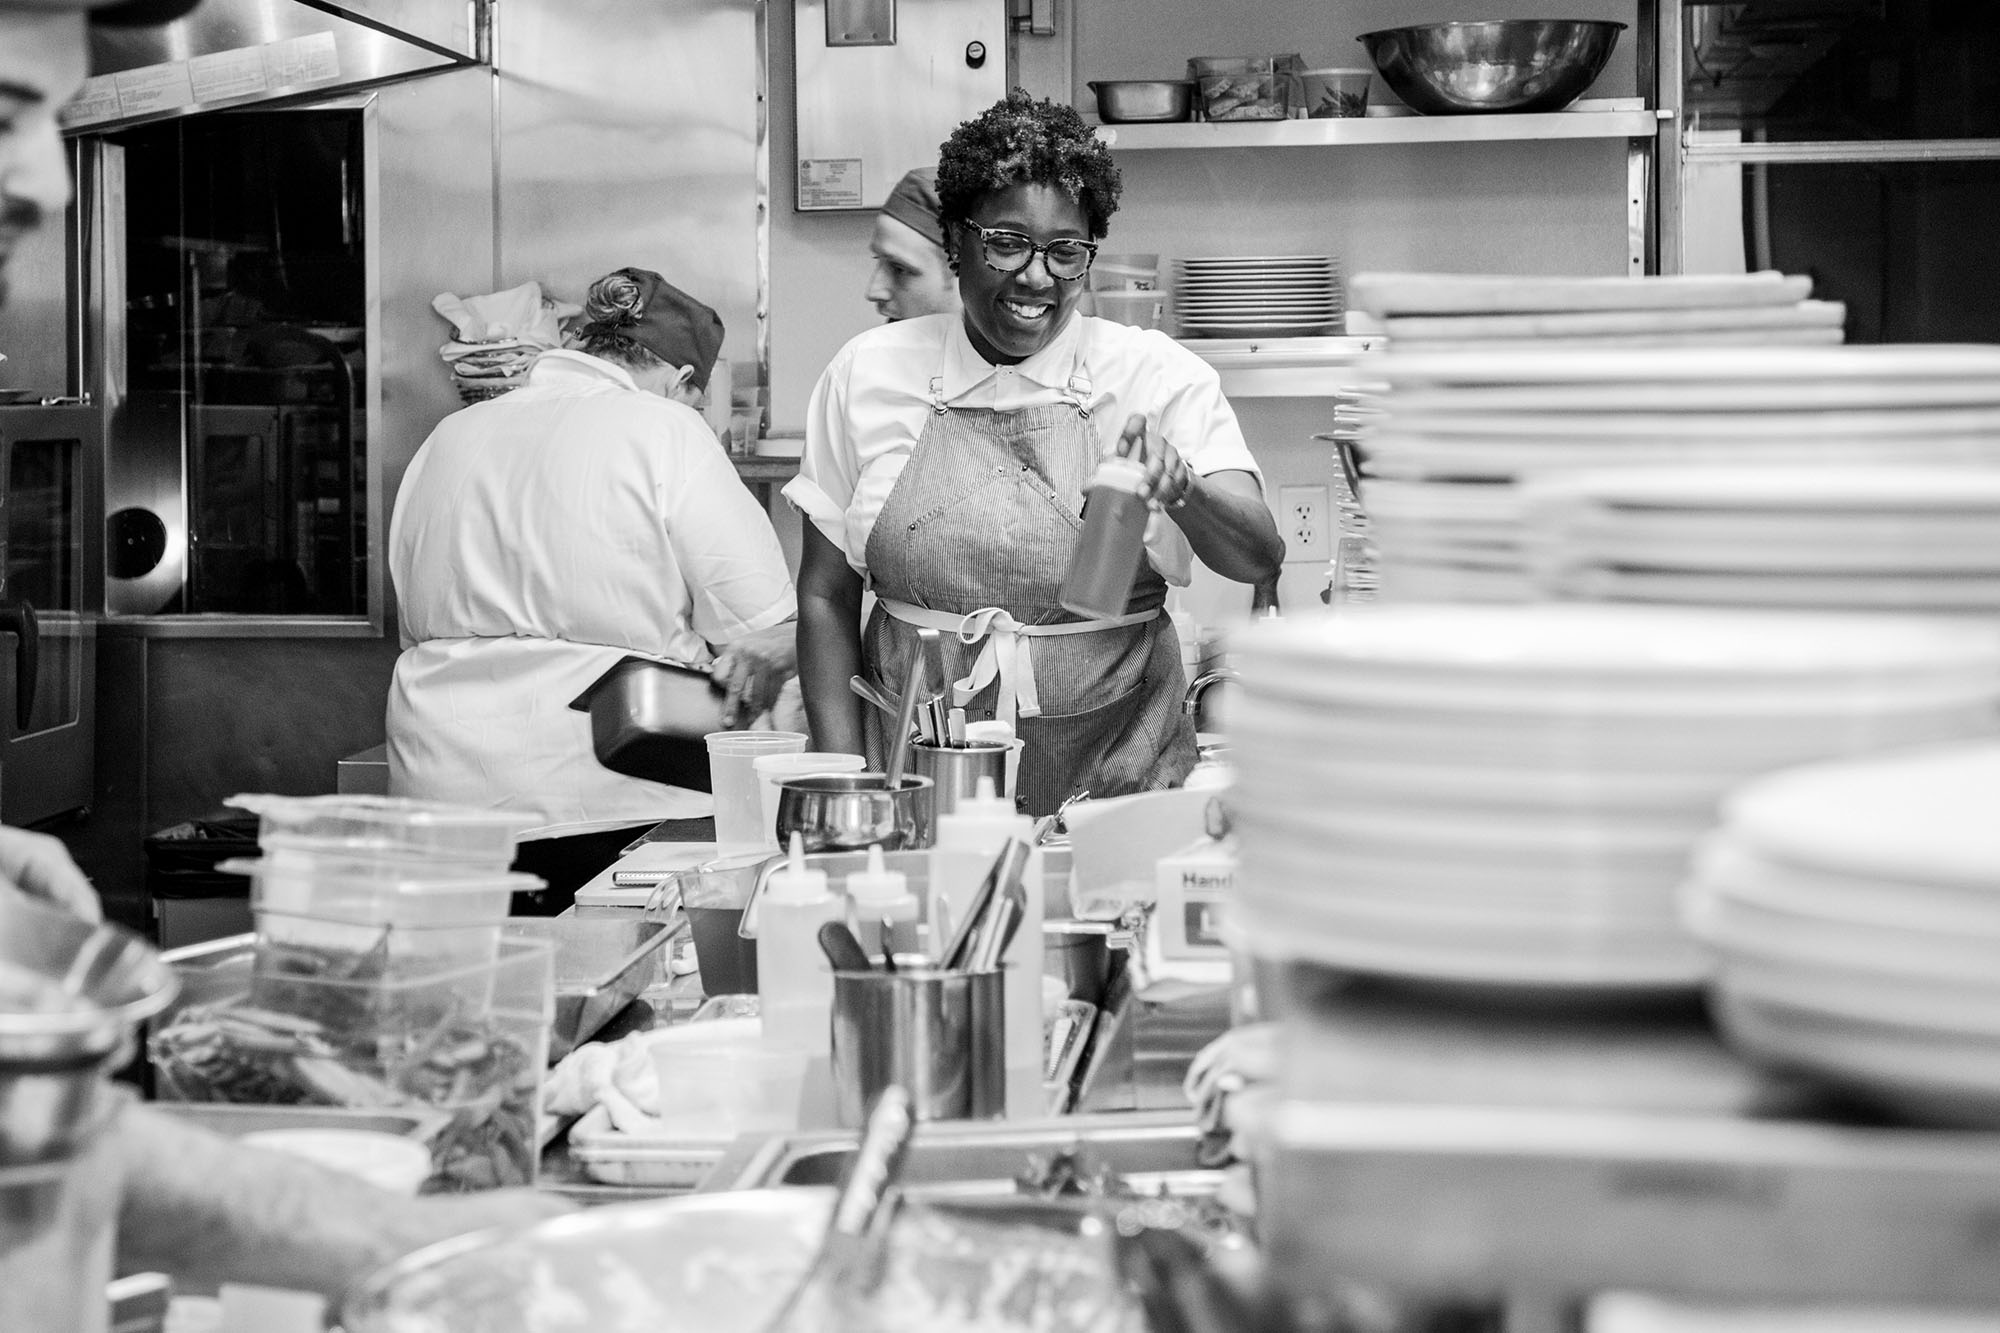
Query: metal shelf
pixel 1608 120
pixel 1285 367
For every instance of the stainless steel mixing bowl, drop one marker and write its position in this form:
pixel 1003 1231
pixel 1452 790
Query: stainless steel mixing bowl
pixel 1446 69
pixel 849 812
pixel 1142 101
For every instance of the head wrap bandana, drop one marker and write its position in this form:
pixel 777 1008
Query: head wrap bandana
pixel 914 203
pixel 666 321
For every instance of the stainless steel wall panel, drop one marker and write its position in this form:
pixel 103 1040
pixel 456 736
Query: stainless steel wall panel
pixel 867 114
pixel 628 135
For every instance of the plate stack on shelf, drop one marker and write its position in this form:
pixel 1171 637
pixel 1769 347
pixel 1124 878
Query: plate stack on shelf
pixel 1273 296
pixel 1508 795
pixel 1858 537
pixel 1450 311
pixel 1460 431
pixel 1853 911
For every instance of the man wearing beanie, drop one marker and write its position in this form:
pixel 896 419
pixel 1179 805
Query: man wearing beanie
pixel 911 275
pixel 542 537
pixel 200 1207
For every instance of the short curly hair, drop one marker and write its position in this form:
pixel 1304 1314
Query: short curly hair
pixel 1022 141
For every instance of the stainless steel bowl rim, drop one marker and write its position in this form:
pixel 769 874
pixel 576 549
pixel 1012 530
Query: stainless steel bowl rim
pixel 1456 24
pixel 853 784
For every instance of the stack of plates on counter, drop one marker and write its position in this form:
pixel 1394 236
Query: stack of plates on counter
pixel 1854 910
pixel 1275 296
pixel 1867 538
pixel 1458 431
pixel 1442 311
pixel 1508 795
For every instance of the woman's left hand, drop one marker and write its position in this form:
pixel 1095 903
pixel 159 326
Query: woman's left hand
pixel 1169 479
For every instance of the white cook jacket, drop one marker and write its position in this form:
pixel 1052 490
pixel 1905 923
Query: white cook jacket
pixel 538 538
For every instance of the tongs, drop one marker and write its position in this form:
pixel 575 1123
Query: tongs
pixel 848 1261
pixel 932 723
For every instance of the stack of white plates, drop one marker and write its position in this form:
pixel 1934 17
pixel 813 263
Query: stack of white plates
pixel 1508 794
pixel 1460 431
pixel 1274 296
pixel 1441 311
pixel 1861 537
pixel 1854 910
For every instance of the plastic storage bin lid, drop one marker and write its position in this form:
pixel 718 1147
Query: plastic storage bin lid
pixel 392 825
pixel 383 895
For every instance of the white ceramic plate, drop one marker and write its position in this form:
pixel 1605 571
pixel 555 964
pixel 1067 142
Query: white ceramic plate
pixel 1931 1076
pixel 1925 816
pixel 1890 427
pixel 1841 591
pixel 1814 366
pixel 1850 488
pixel 1563 550
pixel 1388 453
pixel 1585 521
pixel 1621 644
pixel 1473 501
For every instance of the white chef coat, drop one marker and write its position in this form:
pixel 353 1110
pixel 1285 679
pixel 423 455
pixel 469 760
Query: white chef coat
pixel 870 404
pixel 538 538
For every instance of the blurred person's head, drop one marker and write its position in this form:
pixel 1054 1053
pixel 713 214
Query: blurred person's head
pixel 911 276
pixel 44 55
pixel 1025 190
pixel 664 338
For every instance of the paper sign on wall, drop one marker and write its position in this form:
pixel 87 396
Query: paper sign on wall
pixel 830 182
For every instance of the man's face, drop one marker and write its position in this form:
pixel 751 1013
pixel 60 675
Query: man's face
pixel 42 61
pixel 911 277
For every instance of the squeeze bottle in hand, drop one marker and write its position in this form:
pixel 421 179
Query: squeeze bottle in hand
pixel 1113 540
pixel 969 839
pixel 794 983
pixel 877 897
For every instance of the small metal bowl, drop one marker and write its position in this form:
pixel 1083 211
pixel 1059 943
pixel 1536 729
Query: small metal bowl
pixel 1142 101
pixel 1518 65
pixel 850 812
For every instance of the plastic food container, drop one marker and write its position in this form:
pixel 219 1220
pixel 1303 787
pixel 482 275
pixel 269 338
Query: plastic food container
pixel 601 965
pixel 387 827
pixel 1327 94
pixel 386 1161
pixel 720 1076
pixel 1140 310
pixel 1238 87
pixel 468 1043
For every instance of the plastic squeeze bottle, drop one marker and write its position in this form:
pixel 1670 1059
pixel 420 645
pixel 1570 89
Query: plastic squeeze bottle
pixel 968 841
pixel 877 897
pixel 1113 540
pixel 794 983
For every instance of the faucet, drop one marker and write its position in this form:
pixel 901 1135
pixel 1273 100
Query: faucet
pixel 1191 701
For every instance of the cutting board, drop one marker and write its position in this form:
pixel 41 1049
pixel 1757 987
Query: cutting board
pixel 1389 294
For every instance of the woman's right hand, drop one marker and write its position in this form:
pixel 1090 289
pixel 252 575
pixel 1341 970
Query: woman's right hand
pixel 753 669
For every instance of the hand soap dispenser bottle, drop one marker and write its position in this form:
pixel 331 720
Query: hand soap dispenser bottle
pixel 969 840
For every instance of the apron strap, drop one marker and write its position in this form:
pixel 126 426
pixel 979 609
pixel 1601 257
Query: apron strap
pixel 1006 654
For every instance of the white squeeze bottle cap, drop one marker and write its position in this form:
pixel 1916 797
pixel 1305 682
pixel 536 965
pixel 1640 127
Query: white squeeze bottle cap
pixel 795 881
pixel 984 803
pixel 879 891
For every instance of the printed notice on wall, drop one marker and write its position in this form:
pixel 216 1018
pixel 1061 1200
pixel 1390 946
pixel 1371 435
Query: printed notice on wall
pixel 228 74
pixel 830 182
pixel 96 100
pixel 225 76
pixel 154 88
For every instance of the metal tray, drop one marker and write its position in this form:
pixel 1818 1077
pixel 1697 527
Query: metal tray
pixel 602 963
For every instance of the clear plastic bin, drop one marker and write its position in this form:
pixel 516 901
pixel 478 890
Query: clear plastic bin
pixel 468 1042
pixel 1238 87
pixel 388 827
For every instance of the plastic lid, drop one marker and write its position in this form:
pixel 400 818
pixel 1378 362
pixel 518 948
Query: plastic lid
pixel 1120 473
pixel 795 881
pixel 878 886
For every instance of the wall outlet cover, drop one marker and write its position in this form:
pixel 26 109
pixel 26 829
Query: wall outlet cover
pixel 1303 518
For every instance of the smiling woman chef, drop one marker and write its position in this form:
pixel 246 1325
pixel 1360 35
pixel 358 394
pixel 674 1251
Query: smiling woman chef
pixel 944 468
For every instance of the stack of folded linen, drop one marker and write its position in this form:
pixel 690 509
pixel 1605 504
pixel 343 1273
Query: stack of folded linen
pixel 499 336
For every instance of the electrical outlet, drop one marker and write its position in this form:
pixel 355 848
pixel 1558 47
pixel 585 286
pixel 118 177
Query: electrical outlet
pixel 1302 517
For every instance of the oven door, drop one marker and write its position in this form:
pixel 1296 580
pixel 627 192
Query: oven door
pixel 48 470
